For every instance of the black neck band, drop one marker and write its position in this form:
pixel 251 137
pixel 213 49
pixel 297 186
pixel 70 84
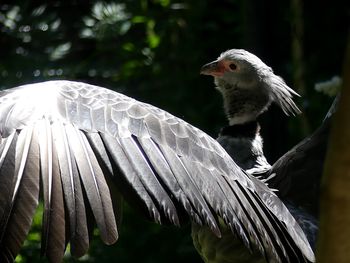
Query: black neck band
pixel 247 130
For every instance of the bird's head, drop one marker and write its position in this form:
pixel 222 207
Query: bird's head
pixel 236 66
pixel 242 77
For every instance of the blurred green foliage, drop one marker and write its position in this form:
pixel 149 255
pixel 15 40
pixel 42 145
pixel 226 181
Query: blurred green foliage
pixel 152 50
pixel 140 241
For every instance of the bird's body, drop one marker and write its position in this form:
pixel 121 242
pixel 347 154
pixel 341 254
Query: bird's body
pixel 244 144
pixel 75 142
pixel 227 249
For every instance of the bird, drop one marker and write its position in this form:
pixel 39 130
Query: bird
pixel 79 147
pixel 248 87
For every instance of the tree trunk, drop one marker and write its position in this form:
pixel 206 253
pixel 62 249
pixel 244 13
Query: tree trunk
pixel 334 236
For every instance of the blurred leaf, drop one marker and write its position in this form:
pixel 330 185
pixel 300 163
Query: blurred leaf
pixel 139 19
pixel 164 3
pixel 152 37
pixel 11 17
pixel 60 51
pixel 109 13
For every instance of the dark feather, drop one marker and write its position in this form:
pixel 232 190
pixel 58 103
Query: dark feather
pixel 130 177
pixel 25 197
pixel 202 211
pixel 7 179
pixel 166 174
pixel 297 174
pixel 72 190
pixel 214 189
pixel 94 183
pixel 53 231
pixel 149 178
pixel 109 169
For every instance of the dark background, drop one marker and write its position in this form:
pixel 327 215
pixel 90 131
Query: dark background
pixel 152 51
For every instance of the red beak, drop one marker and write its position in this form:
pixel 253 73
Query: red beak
pixel 215 69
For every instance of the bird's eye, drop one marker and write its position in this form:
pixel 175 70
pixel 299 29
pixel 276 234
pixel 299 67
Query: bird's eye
pixel 233 66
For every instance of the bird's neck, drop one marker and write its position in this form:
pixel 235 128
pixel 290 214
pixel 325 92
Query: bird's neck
pixel 245 145
pixel 242 139
pixel 243 105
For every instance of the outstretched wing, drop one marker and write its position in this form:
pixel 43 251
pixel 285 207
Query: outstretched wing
pixel 75 142
pixel 306 158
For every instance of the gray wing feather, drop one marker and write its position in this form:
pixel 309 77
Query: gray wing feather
pixel 149 178
pixel 166 174
pixel 100 150
pixel 72 190
pixel 185 180
pixel 7 172
pixel 16 221
pixel 53 231
pixel 125 167
pixel 94 184
pixel 108 168
pixel 217 193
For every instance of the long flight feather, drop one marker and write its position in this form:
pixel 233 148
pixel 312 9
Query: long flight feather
pixel 7 182
pixel 129 175
pixel 25 196
pixel 53 230
pixel 94 184
pixel 149 178
pixel 109 169
pixel 72 191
